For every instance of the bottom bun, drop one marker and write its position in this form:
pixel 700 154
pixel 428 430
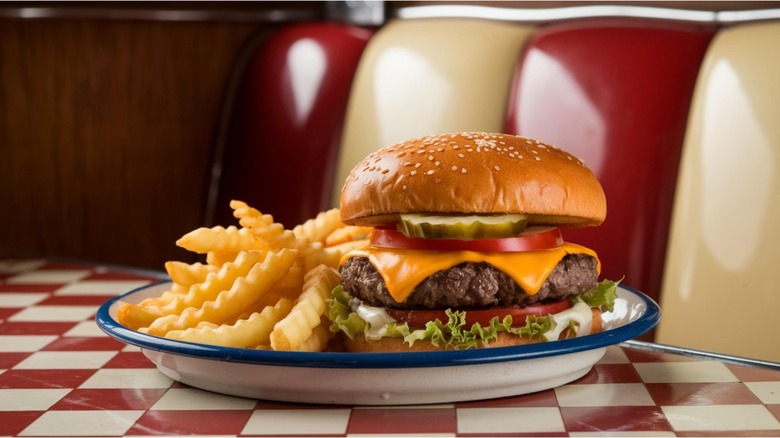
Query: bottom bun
pixel 359 344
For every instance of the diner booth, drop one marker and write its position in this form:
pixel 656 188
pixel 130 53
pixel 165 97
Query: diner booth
pixel 126 126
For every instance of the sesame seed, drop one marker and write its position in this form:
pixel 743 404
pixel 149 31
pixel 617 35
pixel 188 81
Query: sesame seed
pixel 437 163
pixel 417 165
pixel 538 158
pixel 463 170
pixel 384 171
pixel 454 167
pixel 404 186
pixel 430 157
pixel 497 168
pixel 414 172
pixel 407 164
pixel 461 156
pixel 430 172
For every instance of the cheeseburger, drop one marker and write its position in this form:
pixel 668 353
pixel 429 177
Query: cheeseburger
pixel 466 249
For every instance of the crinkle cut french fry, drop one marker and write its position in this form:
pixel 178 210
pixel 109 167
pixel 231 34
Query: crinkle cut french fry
pixel 134 316
pixel 215 283
pixel 220 239
pixel 264 227
pixel 245 333
pixel 277 237
pixel 231 303
pixel 249 217
pixel 288 287
pixel 139 315
pixel 319 338
pixel 276 293
pixel 347 234
pixel 318 228
pixel 254 308
pixel 219 258
pixel 176 290
pixel 331 255
pixel 295 277
pixel 295 328
pixel 270 298
pixel 188 274
pixel 250 270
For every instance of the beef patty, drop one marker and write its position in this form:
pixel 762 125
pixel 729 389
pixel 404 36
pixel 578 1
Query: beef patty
pixel 469 284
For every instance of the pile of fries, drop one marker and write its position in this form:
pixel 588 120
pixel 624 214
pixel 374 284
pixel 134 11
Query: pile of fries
pixel 262 286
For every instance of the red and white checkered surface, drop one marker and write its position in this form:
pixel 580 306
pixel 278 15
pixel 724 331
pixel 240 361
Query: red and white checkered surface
pixel 60 375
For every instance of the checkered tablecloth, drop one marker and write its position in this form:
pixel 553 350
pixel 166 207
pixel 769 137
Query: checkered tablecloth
pixel 60 375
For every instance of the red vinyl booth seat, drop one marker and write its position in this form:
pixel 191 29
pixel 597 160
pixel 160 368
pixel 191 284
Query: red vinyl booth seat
pixel 616 93
pixel 284 125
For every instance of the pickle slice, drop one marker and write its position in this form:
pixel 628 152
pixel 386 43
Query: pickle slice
pixel 469 227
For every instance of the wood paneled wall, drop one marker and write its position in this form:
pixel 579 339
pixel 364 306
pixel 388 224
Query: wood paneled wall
pixel 107 130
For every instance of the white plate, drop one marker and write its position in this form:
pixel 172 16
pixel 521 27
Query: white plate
pixel 383 378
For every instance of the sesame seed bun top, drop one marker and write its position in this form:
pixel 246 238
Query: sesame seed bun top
pixel 473 173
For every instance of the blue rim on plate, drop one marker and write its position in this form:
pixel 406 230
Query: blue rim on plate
pixel 633 329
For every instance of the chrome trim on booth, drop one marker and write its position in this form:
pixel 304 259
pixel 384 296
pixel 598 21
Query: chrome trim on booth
pixel 726 17
pixel 671 349
pixel 534 15
pixel 542 15
pixel 356 12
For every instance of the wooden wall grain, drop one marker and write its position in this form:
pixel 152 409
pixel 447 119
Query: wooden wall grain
pixel 106 134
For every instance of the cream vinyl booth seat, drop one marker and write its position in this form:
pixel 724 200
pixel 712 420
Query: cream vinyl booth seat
pixel 421 77
pixel 721 290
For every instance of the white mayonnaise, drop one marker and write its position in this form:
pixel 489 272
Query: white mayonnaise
pixel 377 320
pixel 579 313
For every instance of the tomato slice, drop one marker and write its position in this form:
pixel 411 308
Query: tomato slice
pixel 533 239
pixel 418 318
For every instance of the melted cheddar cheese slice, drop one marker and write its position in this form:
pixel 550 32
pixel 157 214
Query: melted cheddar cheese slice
pixel 403 269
